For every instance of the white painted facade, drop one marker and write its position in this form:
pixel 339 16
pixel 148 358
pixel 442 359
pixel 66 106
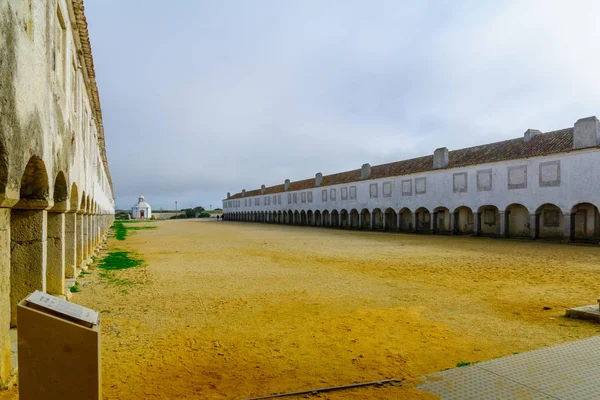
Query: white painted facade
pixel 141 210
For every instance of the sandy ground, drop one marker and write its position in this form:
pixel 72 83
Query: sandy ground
pixel 227 310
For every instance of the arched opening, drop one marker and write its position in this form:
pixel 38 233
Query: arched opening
pixel 326 218
pixel 366 219
pixel 391 220
pixel 549 222
pixel 296 218
pixel 344 219
pixel 354 219
pixel 464 221
pixel 74 198
pixel 489 220
pixel 61 192
pixel 377 217
pixel 406 220
pixel 585 222
pixel 441 220
pixel 517 221
pixel 290 217
pixel 34 182
pixel 310 218
pixel 335 219
pixel 423 220
pixel 318 218
pixel 303 218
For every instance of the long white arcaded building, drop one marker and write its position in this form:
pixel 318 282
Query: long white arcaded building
pixel 56 196
pixel 541 185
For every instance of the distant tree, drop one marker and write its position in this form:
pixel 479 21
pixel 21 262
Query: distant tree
pixel 190 213
pixel 199 209
pixel 204 214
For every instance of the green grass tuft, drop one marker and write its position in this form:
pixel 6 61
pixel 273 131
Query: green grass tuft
pixel 75 288
pixel 116 260
pixel 122 227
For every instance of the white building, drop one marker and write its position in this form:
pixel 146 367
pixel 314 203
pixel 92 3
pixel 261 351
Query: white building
pixel 141 210
pixel 540 185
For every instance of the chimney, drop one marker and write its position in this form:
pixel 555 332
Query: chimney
pixel 441 158
pixel 228 195
pixel 262 189
pixel 586 133
pixel 318 179
pixel 365 171
pixel 243 192
pixel 530 133
pixel 286 185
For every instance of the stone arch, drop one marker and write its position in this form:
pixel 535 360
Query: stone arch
pixel 344 219
pixel 354 219
pixel 378 218
pixel 303 217
pixel 318 218
pixel 391 220
pixel 60 193
pixel 310 218
pixel 406 220
pixel 296 217
pixel 442 222
pixel 517 221
pixel 74 198
pixel 585 222
pixel 290 217
pixel 423 220
pixel 549 221
pixel 34 182
pixel 82 204
pixel 489 220
pixel 366 218
pixel 464 220
pixel 335 219
pixel 326 218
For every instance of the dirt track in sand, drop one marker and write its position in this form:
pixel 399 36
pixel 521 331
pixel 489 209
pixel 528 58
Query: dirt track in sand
pixel 232 310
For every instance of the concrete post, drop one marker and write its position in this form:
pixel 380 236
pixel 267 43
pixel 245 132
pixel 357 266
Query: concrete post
pixel 70 245
pixel 534 226
pixel 55 270
pixel 28 242
pixel 503 224
pixel 4 295
pixel 567 230
pixel 477 221
pixel 80 237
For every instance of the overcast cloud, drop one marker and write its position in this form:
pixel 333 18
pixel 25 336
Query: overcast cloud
pixel 204 97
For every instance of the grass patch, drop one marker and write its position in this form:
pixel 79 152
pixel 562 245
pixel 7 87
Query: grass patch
pixel 75 288
pixel 116 260
pixel 121 228
pixel 465 363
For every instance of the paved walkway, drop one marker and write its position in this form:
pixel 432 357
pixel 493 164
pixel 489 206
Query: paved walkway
pixel 566 371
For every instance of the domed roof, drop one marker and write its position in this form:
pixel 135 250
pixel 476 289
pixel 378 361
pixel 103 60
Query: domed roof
pixel 141 203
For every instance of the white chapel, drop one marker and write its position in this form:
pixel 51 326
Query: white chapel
pixel 141 210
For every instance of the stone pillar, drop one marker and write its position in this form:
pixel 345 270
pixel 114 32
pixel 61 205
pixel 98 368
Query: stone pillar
pixel 85 238
pixel 79 239
pixel 384 221
pixel 503 224
pixel 432 222
pixel 55 269
pixel 398 222
pixel 373 221
pixel 477 221
pixel 4 295
pixel 534 225
pixel 415 221
pixel 567 227
pixel 453 218
pixel 28 242
pixel 70 245
pixel 360 221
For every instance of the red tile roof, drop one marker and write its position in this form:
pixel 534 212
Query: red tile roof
pixel 544 144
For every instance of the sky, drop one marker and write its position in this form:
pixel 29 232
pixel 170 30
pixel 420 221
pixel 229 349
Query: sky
pixel 200 98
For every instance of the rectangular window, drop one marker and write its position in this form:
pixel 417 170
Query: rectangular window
pixel 387 189
pixel 352 192
pixel 324 195
pixel 551 219
pixel 373 190
pixel 279 198
pixel 304 197
pixel 517 177
pixel 484 180
pixel 407 187
pixel 459 182
pixel 295 198
pixel 289 198
pixel 332 195
pixel 344 193
pixel 420 185
pixel 309 197
pixel 274 199
pixel 549 174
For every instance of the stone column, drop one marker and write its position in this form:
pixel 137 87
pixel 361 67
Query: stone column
pixel 534 225
pixel 28 242
pixel 503 224
pixel 360 221
pixel 432 222
pixel 85 238
pixel 477 220
pixel 4 295
pixel 55 269
pixel 384 221
pixel 79 239
pixel 567 227
pixel 452 223
pixel 415 222
pixel 373 223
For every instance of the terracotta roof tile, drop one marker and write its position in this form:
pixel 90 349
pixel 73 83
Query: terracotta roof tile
pixel 560 141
